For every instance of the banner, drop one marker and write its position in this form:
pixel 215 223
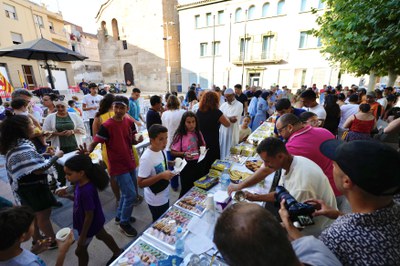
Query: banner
pixel 5 85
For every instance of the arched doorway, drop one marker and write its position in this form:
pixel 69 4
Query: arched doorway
pixel 128 73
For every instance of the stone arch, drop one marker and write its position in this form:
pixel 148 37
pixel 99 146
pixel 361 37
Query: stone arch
pixel 115 30
pixel 128 73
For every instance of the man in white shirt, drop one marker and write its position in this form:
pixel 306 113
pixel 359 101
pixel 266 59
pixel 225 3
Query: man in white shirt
pixel 229 136
pixel 309 99
pixel 302 178
pixel 346 111
pixel 91 103
pixel 380 99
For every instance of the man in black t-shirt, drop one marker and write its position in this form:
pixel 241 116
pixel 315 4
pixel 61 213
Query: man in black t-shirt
pixel 241 97
pixel 153 115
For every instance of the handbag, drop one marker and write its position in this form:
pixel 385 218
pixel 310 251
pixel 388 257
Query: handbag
pixel 161 184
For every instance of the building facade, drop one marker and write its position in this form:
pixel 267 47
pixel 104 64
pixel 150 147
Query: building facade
pixel 250 42
pixel 86 44
pixel 139 42
pixel 23 21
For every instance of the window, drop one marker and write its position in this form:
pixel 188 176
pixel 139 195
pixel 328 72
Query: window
pixel 51 26
pixel 303 39
pixel 251 12
pixel 281 6
pixel 319 42
pixel 124 45
pixel 309 41
pixel 29 76
pixel 115 29
pixel 209 19
pixel 238 15
pixel 16 38
pixel 220 17
pixel 10 11
pixel 265 10
pixel 203 49
pixel 321 4
pixel 216 46
pixel 244 47
pixel 197 21
pixel 38 21
pixel 303 5
pixel 266 47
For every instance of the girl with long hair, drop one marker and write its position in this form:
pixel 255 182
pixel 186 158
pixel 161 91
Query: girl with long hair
pixel 88 216
pixel 27 171
pixel 186 144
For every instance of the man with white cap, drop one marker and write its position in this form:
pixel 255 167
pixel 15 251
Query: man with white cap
pixel 229 136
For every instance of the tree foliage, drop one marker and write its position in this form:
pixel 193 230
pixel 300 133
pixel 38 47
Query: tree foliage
pixel 363 36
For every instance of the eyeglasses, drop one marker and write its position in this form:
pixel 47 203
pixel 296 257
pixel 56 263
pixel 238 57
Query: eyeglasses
pixel 282 128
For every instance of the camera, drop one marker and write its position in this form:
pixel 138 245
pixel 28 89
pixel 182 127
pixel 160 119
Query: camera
pixel 299 213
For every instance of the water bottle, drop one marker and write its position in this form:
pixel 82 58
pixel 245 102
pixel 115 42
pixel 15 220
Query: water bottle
pixel 179 244
pixel 225 179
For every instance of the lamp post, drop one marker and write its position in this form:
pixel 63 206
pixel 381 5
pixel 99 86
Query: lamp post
pixel 244 44
pixel 168 59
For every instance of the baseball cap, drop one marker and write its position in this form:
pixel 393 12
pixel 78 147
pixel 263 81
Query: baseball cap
pixel 371 165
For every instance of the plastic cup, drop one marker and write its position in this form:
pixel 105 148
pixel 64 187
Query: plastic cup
pixel 63 233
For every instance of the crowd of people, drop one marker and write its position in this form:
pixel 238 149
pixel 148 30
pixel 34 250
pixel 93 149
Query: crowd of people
pixel 335 148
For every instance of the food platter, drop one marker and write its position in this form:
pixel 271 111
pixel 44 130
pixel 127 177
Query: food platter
pixel 253 165
pixel 193 201
pixel 141 253
pixel 164 229
pixel 238 176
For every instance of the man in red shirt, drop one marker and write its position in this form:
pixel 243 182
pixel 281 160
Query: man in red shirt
pixel 118 133
pixel 304 141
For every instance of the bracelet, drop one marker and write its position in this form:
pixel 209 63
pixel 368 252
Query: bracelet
pixel 184 154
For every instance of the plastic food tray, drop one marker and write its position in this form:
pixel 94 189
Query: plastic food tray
pixel 163 230
pixel 193 201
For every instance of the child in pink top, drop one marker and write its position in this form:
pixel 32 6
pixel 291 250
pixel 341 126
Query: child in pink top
pixel 186 144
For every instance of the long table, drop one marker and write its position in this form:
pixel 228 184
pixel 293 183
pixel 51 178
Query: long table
pixel 198 228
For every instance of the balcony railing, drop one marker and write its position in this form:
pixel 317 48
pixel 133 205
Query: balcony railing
pixel 261 58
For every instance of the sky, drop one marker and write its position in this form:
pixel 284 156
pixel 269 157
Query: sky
pixel 79 12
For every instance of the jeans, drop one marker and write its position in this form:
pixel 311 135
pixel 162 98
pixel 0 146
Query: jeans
pixel 157 211
pixel 127 184
pixel 175 179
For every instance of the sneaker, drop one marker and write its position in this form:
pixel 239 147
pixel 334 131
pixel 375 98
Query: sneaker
pixel 53 245
pixel 131 220
pixel 128 230
pixel 138 200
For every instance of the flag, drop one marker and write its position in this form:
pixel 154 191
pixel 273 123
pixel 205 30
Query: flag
pixel 5 85
pixel 21 79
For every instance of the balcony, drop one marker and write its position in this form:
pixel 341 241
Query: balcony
pixel 261 58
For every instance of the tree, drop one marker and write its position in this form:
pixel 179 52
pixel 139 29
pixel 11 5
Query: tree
pixel 362 36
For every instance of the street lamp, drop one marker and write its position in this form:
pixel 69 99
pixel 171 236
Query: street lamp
pixel 168 60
